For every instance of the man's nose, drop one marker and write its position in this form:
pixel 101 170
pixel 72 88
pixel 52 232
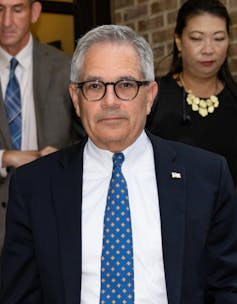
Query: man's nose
pixel 110 99
pixel 7 17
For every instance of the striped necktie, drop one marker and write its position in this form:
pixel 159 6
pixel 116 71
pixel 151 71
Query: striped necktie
pixel 117 272
pixel 13 106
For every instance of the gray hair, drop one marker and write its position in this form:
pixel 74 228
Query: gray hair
pixel 116 34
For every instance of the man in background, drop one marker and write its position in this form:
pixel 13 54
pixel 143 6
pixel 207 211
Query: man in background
pixel 123 216
pixel 35 108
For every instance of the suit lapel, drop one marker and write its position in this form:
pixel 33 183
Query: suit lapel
pixel 67 199
pixel 171 190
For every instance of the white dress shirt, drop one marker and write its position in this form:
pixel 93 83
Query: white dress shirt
pixel 24 74
pixel 139 171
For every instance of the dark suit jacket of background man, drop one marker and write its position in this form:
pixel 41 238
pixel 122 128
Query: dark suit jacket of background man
pixel 46 214
pixel 53 109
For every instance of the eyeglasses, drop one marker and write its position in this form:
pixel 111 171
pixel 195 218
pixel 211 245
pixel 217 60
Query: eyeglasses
pixel 95 90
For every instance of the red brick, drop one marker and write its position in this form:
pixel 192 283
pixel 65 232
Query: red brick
pixel 159 52
pixel 146 36
pixel 170 47
pixel 232 4
pixel 171 17
pixel 132 25
pixel 233 64
pixel 151 23
pixel 162 67
pixel 117 18
pixel 121 3
pixel 233 49
pixel 163 5
pixel 234 32
pixel 233 16
pixel 135 12
pixel 163 35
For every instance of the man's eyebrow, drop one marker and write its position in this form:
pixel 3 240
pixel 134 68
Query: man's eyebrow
pixel 93 78
pixel 124 77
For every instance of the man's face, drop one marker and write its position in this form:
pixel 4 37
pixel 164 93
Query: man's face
pixel 15 19
pixel 111 123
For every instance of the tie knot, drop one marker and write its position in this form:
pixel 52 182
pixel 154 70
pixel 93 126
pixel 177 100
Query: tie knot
pixel 118 159
pixel 13 64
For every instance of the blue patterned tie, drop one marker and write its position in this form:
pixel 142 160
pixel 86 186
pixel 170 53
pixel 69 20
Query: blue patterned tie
pixel 117 273
pixel 13 106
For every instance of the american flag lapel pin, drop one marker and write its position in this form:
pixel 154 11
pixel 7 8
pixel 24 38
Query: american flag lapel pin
pixel 176 175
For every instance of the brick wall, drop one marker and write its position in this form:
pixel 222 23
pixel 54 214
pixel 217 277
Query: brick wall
pixel 155 21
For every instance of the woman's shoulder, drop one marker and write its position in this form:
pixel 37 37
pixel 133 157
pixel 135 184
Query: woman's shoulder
pixel 168 87
pixel 167 82
pixel 166 79
pixel 229 92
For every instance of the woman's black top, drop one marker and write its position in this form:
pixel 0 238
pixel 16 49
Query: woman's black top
pixel 172 118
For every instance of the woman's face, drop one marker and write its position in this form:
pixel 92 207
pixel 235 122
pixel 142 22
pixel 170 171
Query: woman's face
pixel 203 45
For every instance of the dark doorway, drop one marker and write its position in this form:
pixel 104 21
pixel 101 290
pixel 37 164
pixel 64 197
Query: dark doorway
pixel 87 13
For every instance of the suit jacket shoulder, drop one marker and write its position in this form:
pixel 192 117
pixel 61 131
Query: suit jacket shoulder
pixel 46 50
pixel 57 124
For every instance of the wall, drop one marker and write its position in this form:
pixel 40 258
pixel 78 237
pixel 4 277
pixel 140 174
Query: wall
pixel 49 29
pixel 155 21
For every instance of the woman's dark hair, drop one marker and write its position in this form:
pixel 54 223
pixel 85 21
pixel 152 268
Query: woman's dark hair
pixel 194 8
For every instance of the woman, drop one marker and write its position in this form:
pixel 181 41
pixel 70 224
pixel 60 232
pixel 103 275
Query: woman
pixel 197 100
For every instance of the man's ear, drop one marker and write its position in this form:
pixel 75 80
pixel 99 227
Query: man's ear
pixel 36 8
pixel 74 97
pixel 152 92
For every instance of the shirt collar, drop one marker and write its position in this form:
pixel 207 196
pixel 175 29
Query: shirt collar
pixel 24 57
pixel 137 150
pixel 132 153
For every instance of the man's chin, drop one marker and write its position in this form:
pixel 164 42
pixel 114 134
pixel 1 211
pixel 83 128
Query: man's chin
pixel 8 42
pixel 111 141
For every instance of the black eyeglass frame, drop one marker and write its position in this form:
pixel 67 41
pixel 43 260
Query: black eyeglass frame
pixel 80 86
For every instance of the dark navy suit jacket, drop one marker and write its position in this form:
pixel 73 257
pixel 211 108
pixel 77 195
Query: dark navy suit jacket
pixel 198 209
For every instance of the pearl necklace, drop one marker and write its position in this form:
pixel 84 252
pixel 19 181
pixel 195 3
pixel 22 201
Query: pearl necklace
pixel 200 105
